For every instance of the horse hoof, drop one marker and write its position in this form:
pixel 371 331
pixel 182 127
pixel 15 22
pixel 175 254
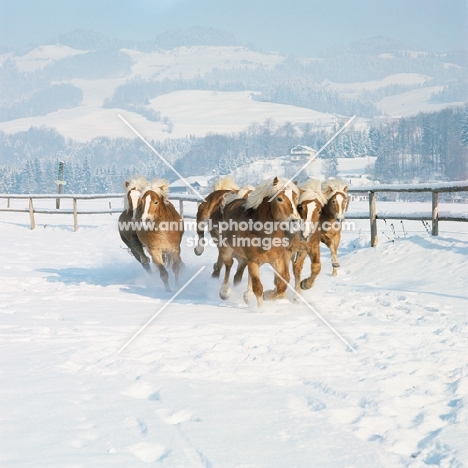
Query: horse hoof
pixel 198 250
pixel 224 293
pixel 269 295
pixel 246 297
pixel 215 274
pixel 297 298
pixel 304 285
pixel 334 272
pixel 335 265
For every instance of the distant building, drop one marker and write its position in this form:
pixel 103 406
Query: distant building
pixel 199 183
pixel 301 153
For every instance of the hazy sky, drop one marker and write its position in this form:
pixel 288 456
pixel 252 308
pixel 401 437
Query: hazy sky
pixel 300 27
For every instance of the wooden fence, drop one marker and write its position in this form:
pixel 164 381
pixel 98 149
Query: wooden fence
pixel 373 214
pixel 32 210
pixel 434 216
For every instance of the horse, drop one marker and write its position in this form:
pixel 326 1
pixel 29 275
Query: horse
pixel 225 191
pixel 259 229
pixel 161 229
pixel 127 231
pixel 209 205
pixel 332 216
pixel 310 205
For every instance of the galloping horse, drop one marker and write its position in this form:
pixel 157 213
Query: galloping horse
pixel 332 216
pixel 128 234
pixel 225 191
pixel 163 229
pixel 211 203
pixel 311 202
pixel 258 230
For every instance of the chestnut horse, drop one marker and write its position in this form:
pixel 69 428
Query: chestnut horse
pixel 259 230
pixel 211 203
pixel 225 191
pixel 333 214
pixel 128 234
pixel 161 229
pixel 311 202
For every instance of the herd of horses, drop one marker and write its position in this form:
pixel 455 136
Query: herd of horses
pixel 278 222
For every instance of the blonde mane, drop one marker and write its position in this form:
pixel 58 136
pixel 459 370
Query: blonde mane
pixel 159 186
pixel 312 189
pixel 267 189
pixel 226 183
pixel 331 186
pixel 235 195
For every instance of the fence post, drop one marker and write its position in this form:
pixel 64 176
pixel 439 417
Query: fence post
pixel 75 216
pixel 181 208
pixel 373 219
pixel 8 202
pixel 31 213
pixel 435 213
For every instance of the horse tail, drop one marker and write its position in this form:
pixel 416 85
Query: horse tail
pixel 226 183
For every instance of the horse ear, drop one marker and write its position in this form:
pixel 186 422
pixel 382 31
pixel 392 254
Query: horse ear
pixel 275 181
pixel 126 183
pixel 328 190
pixel 296 182
pixel 345 189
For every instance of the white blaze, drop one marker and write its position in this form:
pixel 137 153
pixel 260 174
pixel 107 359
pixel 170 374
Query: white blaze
pixel 147 204
pixel 311 207
pixel 134 197
pixel 289 194
pixel 339 202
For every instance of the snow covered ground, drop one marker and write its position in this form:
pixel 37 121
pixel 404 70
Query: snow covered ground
pixel 222 384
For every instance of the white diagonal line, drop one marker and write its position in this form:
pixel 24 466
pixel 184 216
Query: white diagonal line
pixel 315 312
pixel 160 310
pixel 315 155
pixel 167 163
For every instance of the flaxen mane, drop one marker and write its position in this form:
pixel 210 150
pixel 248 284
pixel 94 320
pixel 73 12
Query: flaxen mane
pixel 331 186
pixel 267 189
pixel 241 193
pixel 226 183
pixel 311 189
pixel 160 186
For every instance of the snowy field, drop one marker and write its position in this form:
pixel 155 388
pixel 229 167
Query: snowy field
pixel 222 384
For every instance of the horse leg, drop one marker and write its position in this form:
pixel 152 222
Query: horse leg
pixel 249 290
pixel 228 260
pixel 298 264
pixel 315 267
pixel 199 248
pixel 158 260
pixel 217 266
pixel 335 242
pixel 241 265
pixel 255 283
pixel 176 266
pixel 281 267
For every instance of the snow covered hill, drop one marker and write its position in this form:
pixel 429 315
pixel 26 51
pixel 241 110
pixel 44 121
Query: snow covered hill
pixel 222 384
pixel 193 111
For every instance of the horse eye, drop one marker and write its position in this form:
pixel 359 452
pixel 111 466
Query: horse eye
pixel 279 199
pixel 156 202
pixel 299 208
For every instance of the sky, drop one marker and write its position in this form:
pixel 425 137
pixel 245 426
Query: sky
pixel 298 27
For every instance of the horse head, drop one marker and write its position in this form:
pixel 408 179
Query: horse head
pixel 153 200
pixel 311 202
pixel 133 188
pixel 283 203
pixel 336 193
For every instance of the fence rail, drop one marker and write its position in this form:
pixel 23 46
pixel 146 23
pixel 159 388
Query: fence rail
pixel 373 215
pixel 434 217
pixel 75 211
